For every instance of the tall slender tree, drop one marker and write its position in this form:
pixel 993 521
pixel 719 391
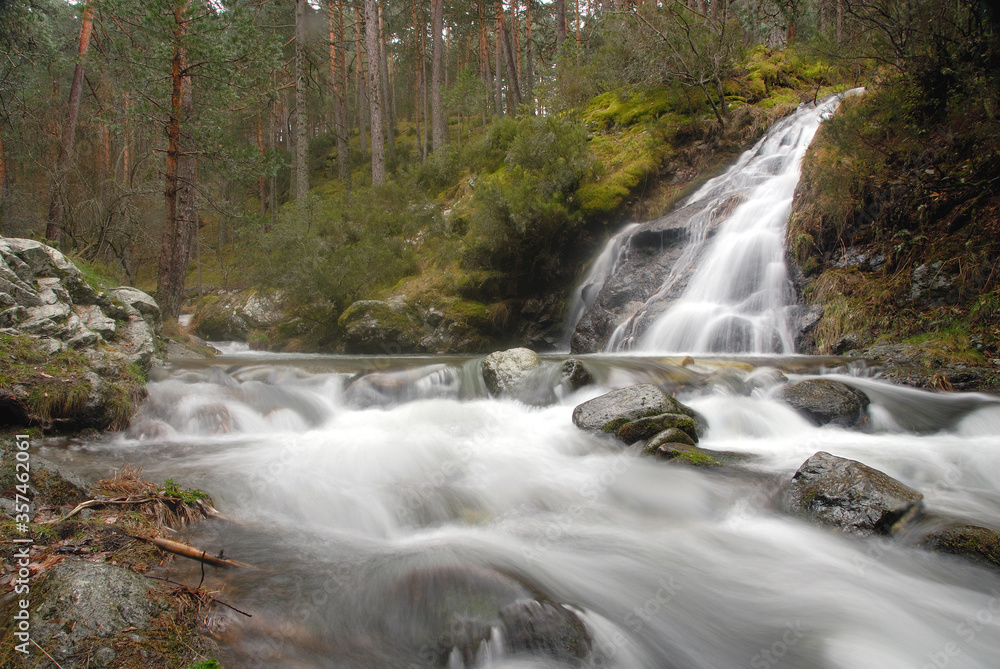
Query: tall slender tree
pixel 438 119
pixel 53 231
pixel 301 113
pixel 375 88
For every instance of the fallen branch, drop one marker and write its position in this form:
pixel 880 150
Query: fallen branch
pixel 96 502
pixel 192 553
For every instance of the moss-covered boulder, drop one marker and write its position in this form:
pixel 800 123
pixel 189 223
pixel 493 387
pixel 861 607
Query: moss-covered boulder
pixel 377 327
pixel 849 496
pixel 49 484
pixel 644 428
pixel 824 401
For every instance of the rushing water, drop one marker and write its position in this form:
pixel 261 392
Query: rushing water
pixel 738 296
pixel 344 477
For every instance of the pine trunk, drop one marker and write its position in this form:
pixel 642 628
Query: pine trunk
pixel 53 231
pixel 375 98
pixel 387 110
pixel 301 136
pixel 560 24
pixel 529 57
pixel 336 23
pixel 175 243
pixel 513 86
pixel 438 120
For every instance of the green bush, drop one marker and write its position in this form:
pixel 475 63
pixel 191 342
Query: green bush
pixel 523 214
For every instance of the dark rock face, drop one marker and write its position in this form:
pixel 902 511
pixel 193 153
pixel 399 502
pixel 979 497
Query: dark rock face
pixel 611 411
pixel 653 250
pixel 824 401
pixel 848 495
pixel 546 628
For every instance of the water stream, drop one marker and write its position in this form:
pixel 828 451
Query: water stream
pixel 354 482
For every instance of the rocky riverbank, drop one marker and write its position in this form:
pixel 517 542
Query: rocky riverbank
pixel 73 355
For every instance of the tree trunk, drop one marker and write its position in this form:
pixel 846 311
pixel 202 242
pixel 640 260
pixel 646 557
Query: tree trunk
pixel 179 176
pixel 387 111
pixel 560 24
pixel 497 70
pixel 301 139
pixel 438 120
pixel 362 87
pixel 336 24
pixel 418 76
pixel 529 57
pixel 375 98
pixel 53 231
pixel 513 85
pixel 261 180
pixel 840 21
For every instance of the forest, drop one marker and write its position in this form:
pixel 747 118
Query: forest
pixel 476 152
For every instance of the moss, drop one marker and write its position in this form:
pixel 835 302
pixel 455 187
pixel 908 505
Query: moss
pixel 697 459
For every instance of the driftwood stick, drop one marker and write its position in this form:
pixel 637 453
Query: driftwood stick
pixel 191 552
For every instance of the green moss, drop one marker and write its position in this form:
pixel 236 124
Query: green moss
pixel 697 459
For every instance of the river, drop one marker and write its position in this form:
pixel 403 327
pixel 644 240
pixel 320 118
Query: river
pixel 344 476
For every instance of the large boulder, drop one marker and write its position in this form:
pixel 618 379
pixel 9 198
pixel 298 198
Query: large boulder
pixel 78 600
pixel 505 371
pixel 825 401
pixel 612 411
pixel 848 495
pixel 377 327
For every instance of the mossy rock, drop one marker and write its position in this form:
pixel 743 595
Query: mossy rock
pixel 377 327
pixel 644 428
pixel 975 543
pixel 684 454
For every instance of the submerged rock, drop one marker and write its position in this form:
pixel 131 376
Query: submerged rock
pixel 848 495
pixel 826 401
pixel 575 375
pixel 611 411
pixel 450 613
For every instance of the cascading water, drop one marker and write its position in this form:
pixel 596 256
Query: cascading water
pixel 729 290
pixel 604 266
pixel 395 508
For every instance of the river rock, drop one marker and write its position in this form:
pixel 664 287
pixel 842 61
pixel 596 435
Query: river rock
pixel 848 495
pixel 377 327
pixel 142 302
pixel 448 611
pixel 611 411
pixel 644 428
pixel 972 542
pixel 575 375
pixel 49 483
pixel 77 600
pixel 505 371
pixel 826 401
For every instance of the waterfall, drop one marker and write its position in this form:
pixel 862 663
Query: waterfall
pixel 604 266
pixel 728 289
